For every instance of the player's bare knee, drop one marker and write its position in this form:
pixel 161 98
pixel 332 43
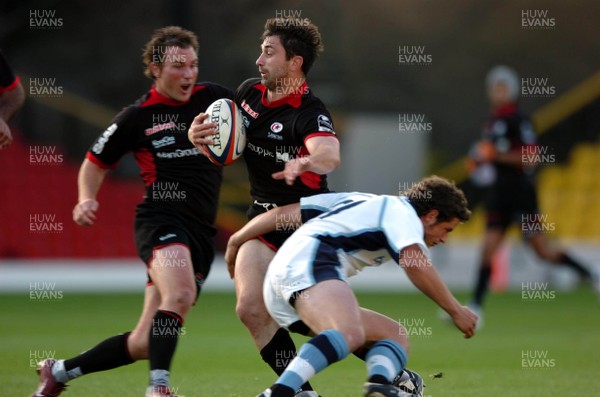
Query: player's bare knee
pixel 354 336
pixel 180 301
pixel 252 315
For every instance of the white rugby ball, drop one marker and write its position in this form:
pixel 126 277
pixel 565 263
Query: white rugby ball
pixel 230 140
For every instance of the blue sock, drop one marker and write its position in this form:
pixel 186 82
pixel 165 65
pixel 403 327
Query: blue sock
pixel 314 356
pixel 385 360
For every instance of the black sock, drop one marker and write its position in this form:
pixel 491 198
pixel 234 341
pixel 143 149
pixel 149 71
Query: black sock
pixel 361 353
pixel 164 333
pixel 583 271
pixel 108 354
pixel 279 352
pixel 379 379
pixel 278 390
pixel 483 281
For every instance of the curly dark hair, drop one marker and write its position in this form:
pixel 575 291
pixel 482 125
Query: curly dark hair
pixel 298 37
pixel 437 193
pixel 167 36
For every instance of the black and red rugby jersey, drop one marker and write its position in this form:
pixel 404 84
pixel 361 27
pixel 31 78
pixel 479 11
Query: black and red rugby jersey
pixel 178 178
pixel 277 132
pixel 510 131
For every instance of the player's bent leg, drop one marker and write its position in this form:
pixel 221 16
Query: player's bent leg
pixel 378 327
pixel 108 354
pixel 544 249
pixel 111 353
pixel 251 266
pixel 331 304
pixel 275 344
pixel 137 343
pixel 172 272
pixel 330 310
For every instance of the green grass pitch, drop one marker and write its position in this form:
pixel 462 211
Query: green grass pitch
pixel 527 348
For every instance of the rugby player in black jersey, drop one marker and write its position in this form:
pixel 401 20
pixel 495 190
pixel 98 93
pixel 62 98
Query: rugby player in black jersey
pixel 173 225
pixel 291 147
pixel 12 98
pixel 511 195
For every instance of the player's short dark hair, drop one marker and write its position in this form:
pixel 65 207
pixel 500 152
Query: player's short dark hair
pixel 168 36
pixel 298 37
pixel 436 193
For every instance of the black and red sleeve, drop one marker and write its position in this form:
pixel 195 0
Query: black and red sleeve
pixel 118 139
pixel 313 122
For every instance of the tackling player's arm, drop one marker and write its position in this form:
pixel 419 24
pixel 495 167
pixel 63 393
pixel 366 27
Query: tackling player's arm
pixel 425 277
pixel 261 224
pixel 324 157
pixel 89 180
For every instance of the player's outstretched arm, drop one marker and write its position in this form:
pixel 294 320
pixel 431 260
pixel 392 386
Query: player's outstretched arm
pixel 88 183
pixel 424 276
pixel 262 224
pixel 324 157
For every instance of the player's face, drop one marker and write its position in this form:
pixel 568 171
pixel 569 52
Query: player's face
pixel 177 75
pixel 272 63
pixel 499 94
pixel 437 232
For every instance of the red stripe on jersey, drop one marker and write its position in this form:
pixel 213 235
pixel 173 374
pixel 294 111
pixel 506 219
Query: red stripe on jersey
pixel 505 110
pixel 309 178
pixel 145 160
pixel 294 99
pixel 90 156
pixel 11 86
pixel 156 97
pixel 314 134
pixel 268 244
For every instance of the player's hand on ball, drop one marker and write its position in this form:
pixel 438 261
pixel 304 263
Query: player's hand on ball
pixel 293 169
pixel 465 320
pixel 84 213
pixel 200 133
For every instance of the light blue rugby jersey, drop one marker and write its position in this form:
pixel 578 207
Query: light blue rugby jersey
pixel 365 229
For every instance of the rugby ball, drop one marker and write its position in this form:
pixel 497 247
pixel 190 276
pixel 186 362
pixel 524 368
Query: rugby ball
pixel 230 140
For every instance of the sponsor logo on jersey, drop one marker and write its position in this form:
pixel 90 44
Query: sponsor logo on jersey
pixel 99 146
pixel 260 150
pixel 178 153
pixel 166 141
pixel 249 110
pixel 167 236
pixel 276 128
pixel 159 127
pixel 324 123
